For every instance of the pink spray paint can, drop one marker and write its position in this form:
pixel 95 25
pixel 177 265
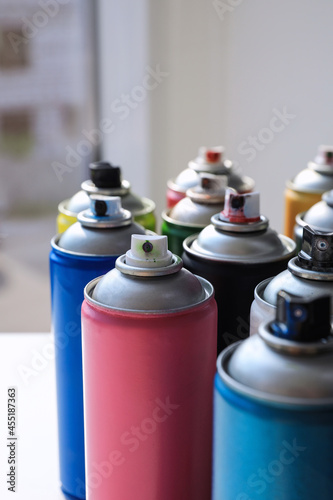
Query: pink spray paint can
pixel 149 349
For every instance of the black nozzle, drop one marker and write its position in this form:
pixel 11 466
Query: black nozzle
pixel 302 319
pixel 317 250
pixel 105 175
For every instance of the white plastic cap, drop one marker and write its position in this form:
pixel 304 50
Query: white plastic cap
pixel 324 155
pixel 241 208
pixel 148 251
pixel 105 206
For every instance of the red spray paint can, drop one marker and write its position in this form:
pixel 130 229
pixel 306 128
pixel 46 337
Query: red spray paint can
pixel 149 348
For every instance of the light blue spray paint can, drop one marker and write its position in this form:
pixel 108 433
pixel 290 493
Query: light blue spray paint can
pixel 273 408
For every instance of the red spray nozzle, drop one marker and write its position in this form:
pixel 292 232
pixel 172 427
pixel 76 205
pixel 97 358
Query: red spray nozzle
pixel 240 208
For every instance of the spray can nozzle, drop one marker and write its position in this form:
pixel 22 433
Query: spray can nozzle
pixel 317 250
pixel 241 208
pixel 211 155
pixel 208 159
pixel 212 182
pixel 105 175
pixel 148 251
pixel 105 206
pixel 324 155
pixel 301 319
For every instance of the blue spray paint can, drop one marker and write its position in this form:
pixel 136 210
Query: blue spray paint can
pixel 273 408
pixel 86 250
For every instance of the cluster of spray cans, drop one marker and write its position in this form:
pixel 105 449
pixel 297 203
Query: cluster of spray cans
pixel 135 368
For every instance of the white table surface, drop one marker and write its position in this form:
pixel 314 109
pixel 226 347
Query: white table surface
pixel 27 363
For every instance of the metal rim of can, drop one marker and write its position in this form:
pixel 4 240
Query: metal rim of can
pixel 307 273
pixel 289 245
pixel 321 168
pixel 300 222
pixel 292 347
pixel 171 184
pixel 169 220
pixel 207 287
pixel 290 185
pixel 97 222
pixel 57 248
pixel 89 187
pixel 249 227
pixel 173 268
pixel 149 207
pixel 215 168
pixel 204 198
pixel 62 209
pixel 259 292
pixel 256 395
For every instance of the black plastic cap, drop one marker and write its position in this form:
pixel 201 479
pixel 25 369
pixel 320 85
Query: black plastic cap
pixel 105 175
pixel 317 250
pixel 302 319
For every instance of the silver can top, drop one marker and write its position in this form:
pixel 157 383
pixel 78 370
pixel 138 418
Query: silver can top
pixel 310 273
pixel 320 215
pixel 149 278
pixel 105 179
pixel 240 234
pixel 210 160
pixel 290 360
pixel 201 202
pixel 318 176
pixel 104 229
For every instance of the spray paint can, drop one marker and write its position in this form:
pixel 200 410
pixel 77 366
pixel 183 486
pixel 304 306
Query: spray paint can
pixel 149 350
pixel 273 408
pixel 319 217
pixel 308 186
pixel 193 213
pixel 209 160
pixel 105 179
pixel 89 248
pixel 308 274
pixel 235 252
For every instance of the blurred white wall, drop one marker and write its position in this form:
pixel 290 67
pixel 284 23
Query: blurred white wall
pixel 232 67
pixel 47 108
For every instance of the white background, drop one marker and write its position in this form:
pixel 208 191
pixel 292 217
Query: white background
pixel 225 78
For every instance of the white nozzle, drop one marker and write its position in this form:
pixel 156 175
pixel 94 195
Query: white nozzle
pixel 105 206
pixel 148 251
pixel 241 208
pixel 324 155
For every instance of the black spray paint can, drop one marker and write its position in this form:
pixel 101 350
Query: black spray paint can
pixel 235 252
